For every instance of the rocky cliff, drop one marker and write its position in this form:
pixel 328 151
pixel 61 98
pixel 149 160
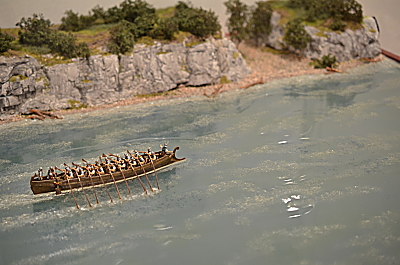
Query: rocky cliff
pixel 26 84
pixel 345 46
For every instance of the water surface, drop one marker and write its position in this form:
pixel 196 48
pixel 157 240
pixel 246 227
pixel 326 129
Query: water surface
pixel 296 171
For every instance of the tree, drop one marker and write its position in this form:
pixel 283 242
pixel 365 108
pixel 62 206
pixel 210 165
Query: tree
pixel 238 19
pixel 65 45
pixel 165 28
pixel 196 21
pixel 5 41
pixel 73 22
pixel 34 30
pixel 144 24
pixel 296 36
pixel 260 25
pixel 122 38
pixel 131 10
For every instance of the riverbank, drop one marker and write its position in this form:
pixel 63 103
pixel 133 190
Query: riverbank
pixel 266 66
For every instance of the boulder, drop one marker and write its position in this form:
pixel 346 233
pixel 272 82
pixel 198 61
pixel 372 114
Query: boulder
pixel 345 46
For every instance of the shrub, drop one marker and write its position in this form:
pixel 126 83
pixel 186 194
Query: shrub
pixel 5 41
pixel 131 10
pixel 259 26
pixel 196 21
pixel 34 30
pixel 296 36
pixel 326 61
pixel 65 45
pixel 143 25
pixel 165 28
pixel 73 22
pixel 122 38
pixel 238 19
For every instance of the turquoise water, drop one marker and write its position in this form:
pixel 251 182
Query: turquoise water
pixel 295 171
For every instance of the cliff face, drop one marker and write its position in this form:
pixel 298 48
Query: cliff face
pixel 25 84
pixel 345 46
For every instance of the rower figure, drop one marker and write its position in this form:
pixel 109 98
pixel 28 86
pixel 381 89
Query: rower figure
pixel 151 154
pixel 40 173
pixel 164 149
pixel 69 172
pixel 138 156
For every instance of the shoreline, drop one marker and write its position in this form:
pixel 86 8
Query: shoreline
pixel 265 65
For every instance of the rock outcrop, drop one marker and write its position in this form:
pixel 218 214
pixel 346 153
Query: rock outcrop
pixel 25 84
pixel 345 46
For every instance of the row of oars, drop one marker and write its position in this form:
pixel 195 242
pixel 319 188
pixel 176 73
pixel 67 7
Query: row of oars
pixel 98 174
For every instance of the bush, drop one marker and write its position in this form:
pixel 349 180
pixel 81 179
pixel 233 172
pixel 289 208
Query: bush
pixel 131 10
pixel 65 45
pixel 73 22
pixel 165 28
pixel 122 38
pixel 5 41
pixel 259 26
pixel 34 30
pixel 346 10
pixel 296 36
pixel 326 61
pixel 196 21
pixel 238 19
pixel 143 25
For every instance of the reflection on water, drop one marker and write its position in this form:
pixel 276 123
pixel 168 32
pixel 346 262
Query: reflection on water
pixel 302 170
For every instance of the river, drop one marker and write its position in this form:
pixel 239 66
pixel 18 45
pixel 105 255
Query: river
pixel 295 171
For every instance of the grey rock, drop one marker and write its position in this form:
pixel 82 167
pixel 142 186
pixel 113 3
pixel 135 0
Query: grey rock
pixel 345 46
pixel 107 79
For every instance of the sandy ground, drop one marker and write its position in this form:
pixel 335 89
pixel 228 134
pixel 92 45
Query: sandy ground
pixel 266 67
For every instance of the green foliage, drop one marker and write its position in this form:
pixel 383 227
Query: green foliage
pixel 325 61
pixel 144 24
pixel 165 28
pixel 259 26
pixel 73 22
pixel 339 10
pixel 122 37
pixel 34 30
pixel 131 10
pixel 296 36
pixel 238 19
pixel 5 41
pixel 65 45
pixel 196 21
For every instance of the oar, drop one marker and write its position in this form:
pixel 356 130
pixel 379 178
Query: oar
pixel 141 183
pixel 91 180
pixel 80 182
pixel 148 181
pixel 69 184
pixel 123 175
pixel 115 183
pixel 104 184
pixel 155 173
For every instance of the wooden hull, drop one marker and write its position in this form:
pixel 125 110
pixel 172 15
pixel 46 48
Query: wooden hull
pixel 46 186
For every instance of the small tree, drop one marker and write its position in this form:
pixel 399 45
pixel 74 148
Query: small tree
pixel 65 45
pixel 165 28
pixel 296 36
pixel 5 41
pixel 238 19
pixel 34 30
pixel 131 10
pixel 260 26
pixel 196 21
pixel 122 38
pixel 73 22
pixel 144 24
